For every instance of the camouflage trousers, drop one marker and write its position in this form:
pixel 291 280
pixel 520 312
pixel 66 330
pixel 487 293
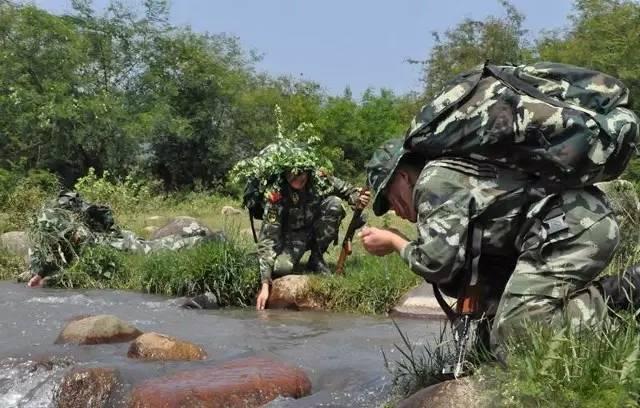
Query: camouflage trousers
pixel 561 257
pixel 316 237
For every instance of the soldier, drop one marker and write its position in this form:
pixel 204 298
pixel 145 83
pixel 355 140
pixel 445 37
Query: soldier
pixel 299 216
pixel 69 223
pixel 539 260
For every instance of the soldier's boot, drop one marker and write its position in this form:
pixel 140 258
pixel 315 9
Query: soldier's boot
pixel 622 292
pixel 316 259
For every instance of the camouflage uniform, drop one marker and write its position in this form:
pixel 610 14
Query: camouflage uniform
pixel 63 227
pixel 540 260
pixel 297 221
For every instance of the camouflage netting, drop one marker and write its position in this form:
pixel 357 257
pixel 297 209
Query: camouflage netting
pixel 66 225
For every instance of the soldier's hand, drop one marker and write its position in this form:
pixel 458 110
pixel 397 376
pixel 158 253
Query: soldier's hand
pixel 263 296
pixel 363 198
pixel 35 282
pixel 382 242
pixel 377 241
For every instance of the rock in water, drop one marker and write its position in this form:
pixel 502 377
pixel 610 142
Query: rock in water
pixel 205 301
pixel 97 330
pixel 86 388
pixel 155 346
pixel 248 382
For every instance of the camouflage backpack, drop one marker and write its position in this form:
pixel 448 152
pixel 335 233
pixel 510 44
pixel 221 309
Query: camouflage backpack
pixel 566 126
pixel 253 198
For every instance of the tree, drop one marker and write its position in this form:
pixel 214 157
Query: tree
pixel 472 42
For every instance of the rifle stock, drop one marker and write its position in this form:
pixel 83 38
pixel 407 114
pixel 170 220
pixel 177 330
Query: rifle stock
pixel 348 237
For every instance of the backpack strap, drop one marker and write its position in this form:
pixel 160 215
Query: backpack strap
pixel 520 86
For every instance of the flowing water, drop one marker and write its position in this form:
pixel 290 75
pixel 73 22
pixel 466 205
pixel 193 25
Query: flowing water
pixel 340 353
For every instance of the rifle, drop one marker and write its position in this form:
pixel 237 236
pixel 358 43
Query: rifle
pixel 468 309
pixel 346 242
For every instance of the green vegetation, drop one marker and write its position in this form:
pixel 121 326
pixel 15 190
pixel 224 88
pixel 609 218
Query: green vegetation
pixel 370 285
pixel 594 367
pixel 222 268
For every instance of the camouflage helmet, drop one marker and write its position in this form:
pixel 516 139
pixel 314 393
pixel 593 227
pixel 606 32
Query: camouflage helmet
pixel 380 169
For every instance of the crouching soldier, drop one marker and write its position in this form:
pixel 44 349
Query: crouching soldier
pixel 540 261
pixel 303 214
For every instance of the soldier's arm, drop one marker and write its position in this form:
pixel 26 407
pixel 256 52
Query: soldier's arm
pixel 344 190
pixel 438 253
pixel 269 238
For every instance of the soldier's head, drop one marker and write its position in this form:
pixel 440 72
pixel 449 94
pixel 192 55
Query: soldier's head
pixel 297 179
pixel 392 173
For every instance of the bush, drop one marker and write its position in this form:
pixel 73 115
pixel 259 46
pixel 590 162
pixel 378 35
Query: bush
pixel 122 196
pixel 21 195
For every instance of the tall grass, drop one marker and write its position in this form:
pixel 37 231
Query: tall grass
pixel 591 367
pixel 223 268
pixel 370 285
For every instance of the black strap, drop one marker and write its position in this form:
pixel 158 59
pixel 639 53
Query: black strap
pixel 448 310
pixel 253 228
pixel 519 86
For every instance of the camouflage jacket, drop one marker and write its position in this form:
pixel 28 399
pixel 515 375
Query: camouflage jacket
pixel 452 194
pixel 289 211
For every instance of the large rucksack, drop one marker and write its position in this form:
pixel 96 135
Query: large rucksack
pixel 566 126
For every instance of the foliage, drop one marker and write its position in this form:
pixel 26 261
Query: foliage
pixel 472 42
pixel 591 367
pixel 122 196
pixel 10 265
pixel 287 154
pixel 22 194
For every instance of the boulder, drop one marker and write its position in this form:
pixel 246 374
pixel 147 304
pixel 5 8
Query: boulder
pixel 97 330
pixel 86 388
pixel 155 346
pixel 186 227
pixel 16 243
pixel 155 220
pixel 248 382
pixel 207 300
pixel 229 210
pixel 448 394
pixel 291 292
pixel 419 302
pixel 150 229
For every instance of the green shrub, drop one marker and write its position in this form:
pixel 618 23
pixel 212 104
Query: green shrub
pixel 131 194
pixel 10 265
pixel 22 195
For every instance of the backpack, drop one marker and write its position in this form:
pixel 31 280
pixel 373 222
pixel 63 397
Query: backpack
pixel 564 125
pixel 253 198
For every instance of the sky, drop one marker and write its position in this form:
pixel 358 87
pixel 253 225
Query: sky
pixel 360 43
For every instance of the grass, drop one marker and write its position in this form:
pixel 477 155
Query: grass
pixel 592 367
pixel 370 285
pixel 222 268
